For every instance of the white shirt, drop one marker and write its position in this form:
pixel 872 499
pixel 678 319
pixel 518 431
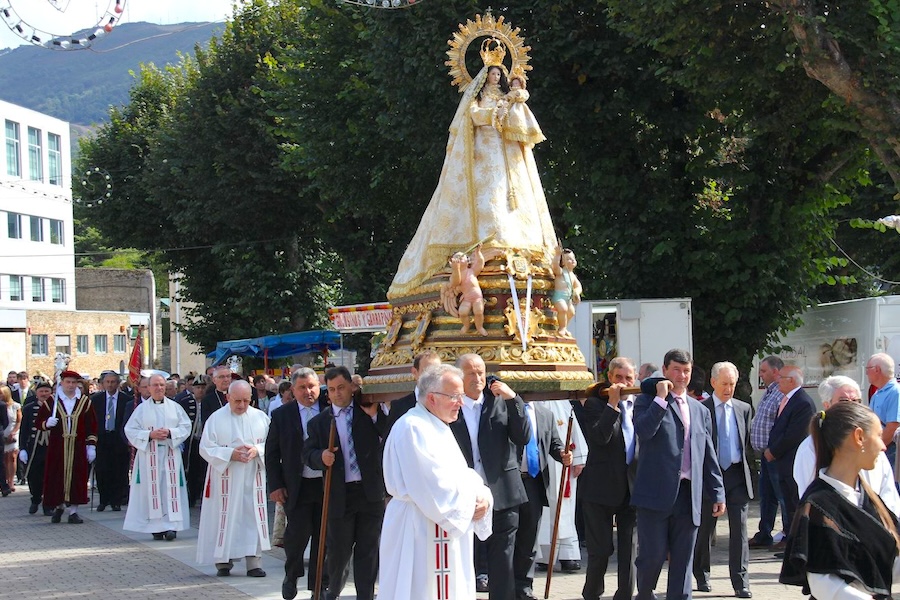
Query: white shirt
pixel 307 413
pixel 340 420
pixel 471 410
pixel 274 403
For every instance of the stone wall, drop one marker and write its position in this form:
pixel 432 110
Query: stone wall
pixel 90 323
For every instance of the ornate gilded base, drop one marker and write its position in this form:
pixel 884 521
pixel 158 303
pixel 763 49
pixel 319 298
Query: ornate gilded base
pixel 424 321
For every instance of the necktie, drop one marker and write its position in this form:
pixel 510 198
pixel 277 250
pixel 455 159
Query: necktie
pixel 531 448
pixel 724 427
pixel 110 414
pixel 686 421
pixel 781 406
pixel 352 465
pixel 627 430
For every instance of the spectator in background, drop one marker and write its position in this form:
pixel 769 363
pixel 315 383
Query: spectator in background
pixel 284 396
pixel 886 399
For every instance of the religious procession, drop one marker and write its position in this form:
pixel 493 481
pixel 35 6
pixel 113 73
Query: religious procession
pixel 479 455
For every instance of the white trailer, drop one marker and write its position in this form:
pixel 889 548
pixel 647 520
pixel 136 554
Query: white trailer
pixel 642 330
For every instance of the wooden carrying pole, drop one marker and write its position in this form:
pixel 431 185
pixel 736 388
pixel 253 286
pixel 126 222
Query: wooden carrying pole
pixel 320 558
pixel 559 500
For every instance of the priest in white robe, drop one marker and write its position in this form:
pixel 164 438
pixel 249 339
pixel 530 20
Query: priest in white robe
pixel 233 519
pixel 438 501
pixel 158 501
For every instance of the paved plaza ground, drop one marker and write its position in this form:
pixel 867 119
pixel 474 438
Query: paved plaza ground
pixel 98 560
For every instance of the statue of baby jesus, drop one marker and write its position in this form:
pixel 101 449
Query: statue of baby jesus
pixel 464 277
pixel 518 122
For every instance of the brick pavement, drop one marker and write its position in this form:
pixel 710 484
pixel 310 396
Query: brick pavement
pixel 42 560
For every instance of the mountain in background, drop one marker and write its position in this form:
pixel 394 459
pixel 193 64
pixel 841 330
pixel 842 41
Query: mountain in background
pixel 79 86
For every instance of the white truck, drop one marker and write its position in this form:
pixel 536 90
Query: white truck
pixel 642 330
pixel 837 338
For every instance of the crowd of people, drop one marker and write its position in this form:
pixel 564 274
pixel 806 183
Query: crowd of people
pixel 443 493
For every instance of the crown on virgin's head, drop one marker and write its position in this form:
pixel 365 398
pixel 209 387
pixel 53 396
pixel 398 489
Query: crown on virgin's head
pixel 492 52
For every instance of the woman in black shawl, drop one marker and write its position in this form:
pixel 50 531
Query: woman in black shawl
pixel 843 542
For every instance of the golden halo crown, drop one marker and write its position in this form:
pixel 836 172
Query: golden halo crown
pixel 492 52
pixel 494 29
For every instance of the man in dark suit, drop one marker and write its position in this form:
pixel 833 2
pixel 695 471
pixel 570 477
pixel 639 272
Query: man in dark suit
pixel 113 454
pixel 143 394
pixel 678 465
pixel 604 487
pixel 789 430
pixel 356 503
pixel 731 439
pixel 217 397
pixel 491 426
pixel 544 442
pixel 400 406
pixel 295 485
pixel 34 445
pixel 194 465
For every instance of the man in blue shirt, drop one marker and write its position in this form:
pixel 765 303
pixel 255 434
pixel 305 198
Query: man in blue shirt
pixel 886 400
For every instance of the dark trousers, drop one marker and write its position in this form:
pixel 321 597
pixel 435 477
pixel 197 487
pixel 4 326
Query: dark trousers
pixel 355 533
pixel 736 499
pixel 36 475
pixel 770 499
pixel 111 468
pixel 304 520
pixel 789 492
pixel 500 548
pixel 195 470
pixel 666 534
pixel 598 529
pixel 526 535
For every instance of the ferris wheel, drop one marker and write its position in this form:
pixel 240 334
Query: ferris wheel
pixel 46 23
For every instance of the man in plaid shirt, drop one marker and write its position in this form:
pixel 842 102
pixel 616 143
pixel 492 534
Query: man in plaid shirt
pixel 770 497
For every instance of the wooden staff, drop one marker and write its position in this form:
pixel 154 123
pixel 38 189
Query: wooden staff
pixel 559 500
pixel 320 559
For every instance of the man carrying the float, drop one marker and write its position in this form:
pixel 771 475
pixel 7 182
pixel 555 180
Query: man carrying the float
pixel 72 424
pixel 158 503
pixel 437 503
pixel 233 519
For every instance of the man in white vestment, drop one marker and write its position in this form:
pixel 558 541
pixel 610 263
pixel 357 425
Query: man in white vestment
pixel 158 501
pixel 438 501
pixel 233 519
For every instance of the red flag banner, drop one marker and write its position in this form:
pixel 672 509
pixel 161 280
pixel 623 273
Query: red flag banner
pixel 136 361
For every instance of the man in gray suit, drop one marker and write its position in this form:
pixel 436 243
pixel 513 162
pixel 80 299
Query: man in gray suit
pixel 731 439
pixel 678 465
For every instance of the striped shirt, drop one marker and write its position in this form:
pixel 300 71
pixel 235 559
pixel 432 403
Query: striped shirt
pixel 765 417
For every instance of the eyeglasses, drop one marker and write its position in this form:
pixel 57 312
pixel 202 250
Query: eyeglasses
pixel 849 399
pixel 871 367
pixel 454 397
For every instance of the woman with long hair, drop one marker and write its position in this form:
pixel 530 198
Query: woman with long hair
pixel 844 541
pixel 10 435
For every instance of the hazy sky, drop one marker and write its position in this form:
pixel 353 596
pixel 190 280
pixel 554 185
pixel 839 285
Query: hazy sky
pixel 75 15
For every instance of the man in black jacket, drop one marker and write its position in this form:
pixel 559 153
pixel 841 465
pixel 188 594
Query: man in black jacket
pixel 194 465
pixel 400 406
pixel 113 454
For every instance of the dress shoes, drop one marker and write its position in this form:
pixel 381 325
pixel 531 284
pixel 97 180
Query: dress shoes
pixel 481 583
pixel 74 518
pixel 257 572
pixel 570 566
pixel 779 555
pixel 540 567
pixel 779 547
pixel 170 535
pixel 101 507
pixel 57 516
pixel 159 536
pixel 743 593
pixel 6 492
pixel 33 508
pixel 48 512
pixel 526 594
pixel 289 588
pixel 755 544
pixel 223 572
pixel 116 507
pixel 704 587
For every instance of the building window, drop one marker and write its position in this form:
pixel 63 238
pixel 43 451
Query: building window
pixel 14 221
pixel 119 343
pixel 35 155
pixel 15 287
pixel 39 345
pixel 37 229
pixel 100 342
pixel 37 289
pixel 63 344
pixel 54 158
pixel 13 156
pixel 57 233
pixel 82 341
pixel 58 290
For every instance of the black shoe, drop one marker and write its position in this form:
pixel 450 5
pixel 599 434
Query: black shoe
pixel 257 572
pixel 223 572
pixel 755 544
pixel 570 566
pixel 779 555
pixel 48 512
pixel 743 593
pixel 540 567
pixel 526 594
pixel 159 536
pixel 101 507
pixel 170 535
pixel 289 588
pixel 57 516
pixel 74 518
pixel 33 508
pixel 116 507
pixel 6 492
pixel 704 587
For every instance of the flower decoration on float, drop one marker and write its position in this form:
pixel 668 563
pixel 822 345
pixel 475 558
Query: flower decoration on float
pixel 23 24
pixel 500 36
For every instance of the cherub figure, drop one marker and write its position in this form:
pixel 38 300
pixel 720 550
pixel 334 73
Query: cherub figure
pixel 464 277
pixel 566 288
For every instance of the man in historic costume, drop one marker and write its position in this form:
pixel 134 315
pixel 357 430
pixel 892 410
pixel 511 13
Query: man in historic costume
pixel 113 454
pixel 158 500
pixel 438 500
pixel 194 465
pixel 72 424
pixel 34 447
pixel 233 519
